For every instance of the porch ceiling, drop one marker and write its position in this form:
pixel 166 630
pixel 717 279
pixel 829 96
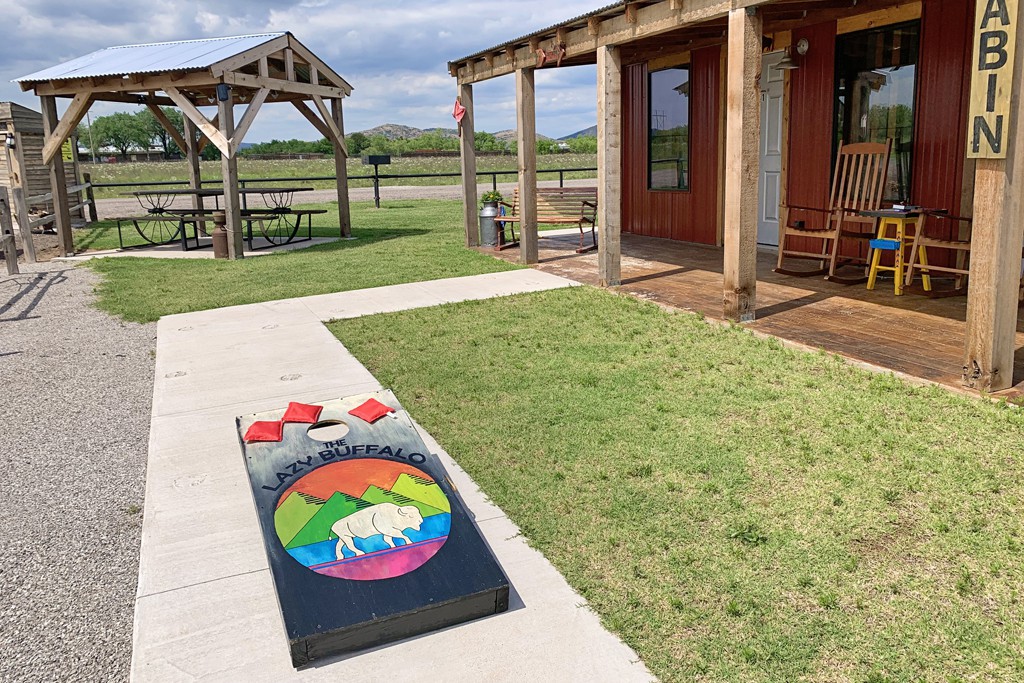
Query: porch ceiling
pixel 649 29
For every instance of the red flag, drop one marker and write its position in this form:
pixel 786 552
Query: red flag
pixel 459 111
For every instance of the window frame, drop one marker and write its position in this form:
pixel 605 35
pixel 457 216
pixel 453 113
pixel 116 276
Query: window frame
pixel 689 134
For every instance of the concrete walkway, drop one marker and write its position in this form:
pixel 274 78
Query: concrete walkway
pixel 205 607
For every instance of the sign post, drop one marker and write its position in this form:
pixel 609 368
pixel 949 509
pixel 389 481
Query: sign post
pixel 995 30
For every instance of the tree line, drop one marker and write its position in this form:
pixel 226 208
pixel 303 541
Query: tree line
pixel 142 131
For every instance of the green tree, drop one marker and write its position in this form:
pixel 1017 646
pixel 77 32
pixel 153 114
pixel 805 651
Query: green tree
pixel 157 134
pixel 357 142
pixel 122 131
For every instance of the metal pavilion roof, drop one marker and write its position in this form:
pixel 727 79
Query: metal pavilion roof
pixel 180 55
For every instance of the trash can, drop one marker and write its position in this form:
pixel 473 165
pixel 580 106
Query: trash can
pixel 488 228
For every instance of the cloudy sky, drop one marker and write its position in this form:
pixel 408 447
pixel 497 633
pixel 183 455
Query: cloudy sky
pixel 393 52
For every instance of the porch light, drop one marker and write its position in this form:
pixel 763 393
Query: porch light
pixel 787 63
pixel 9 140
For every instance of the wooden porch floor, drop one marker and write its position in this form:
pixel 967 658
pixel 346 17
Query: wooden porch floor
pixel 912 334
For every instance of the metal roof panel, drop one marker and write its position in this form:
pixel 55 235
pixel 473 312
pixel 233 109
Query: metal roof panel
pixel 181 55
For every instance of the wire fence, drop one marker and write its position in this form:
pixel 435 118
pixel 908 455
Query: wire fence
pixel 243 182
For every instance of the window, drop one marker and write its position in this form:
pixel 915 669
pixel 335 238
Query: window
pixel 875 81
pixel 669 133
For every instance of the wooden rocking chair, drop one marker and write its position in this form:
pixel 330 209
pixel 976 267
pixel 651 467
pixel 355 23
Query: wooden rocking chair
pixel 858 184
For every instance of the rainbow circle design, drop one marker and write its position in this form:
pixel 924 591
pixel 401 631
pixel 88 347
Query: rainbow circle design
pixel 363 519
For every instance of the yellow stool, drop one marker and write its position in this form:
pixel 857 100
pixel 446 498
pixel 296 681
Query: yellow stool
pixel 900 221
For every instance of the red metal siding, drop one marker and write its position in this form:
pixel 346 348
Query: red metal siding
pixel 940 112
pixel 811 108
pixel 940 107
pixel 688 216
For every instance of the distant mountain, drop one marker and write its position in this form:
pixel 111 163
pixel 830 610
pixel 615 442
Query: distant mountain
pixel 586 132
pixel 395 131
pixel 511 135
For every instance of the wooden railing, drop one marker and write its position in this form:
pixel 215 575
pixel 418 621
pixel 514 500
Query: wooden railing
pixel 26 224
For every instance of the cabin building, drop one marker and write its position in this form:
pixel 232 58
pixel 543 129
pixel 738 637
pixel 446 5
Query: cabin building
pixel 715 116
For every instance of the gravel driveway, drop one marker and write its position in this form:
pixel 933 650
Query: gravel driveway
pixel 77 387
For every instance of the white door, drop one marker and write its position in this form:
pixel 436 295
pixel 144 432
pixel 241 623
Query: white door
pixel 770 176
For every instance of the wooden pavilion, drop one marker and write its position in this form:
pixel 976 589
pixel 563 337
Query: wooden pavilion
pixel 768 90
pixel 192 74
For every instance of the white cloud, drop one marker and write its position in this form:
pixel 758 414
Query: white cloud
pixel 395 54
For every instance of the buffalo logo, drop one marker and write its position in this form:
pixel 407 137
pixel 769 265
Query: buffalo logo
pixel 363 519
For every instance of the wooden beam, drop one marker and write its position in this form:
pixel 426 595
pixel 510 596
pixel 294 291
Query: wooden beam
pixel 527 142
pixel 191 149
pixel 289 64
pixel 114 84
pixel 203 140
pixel 335 135
pixel 341 172
pixel 7 233
pixel 247 118
pixel 651 20
pixel 609 165
pixel 207 127
pixel 166 124
pixel 264 68
pixel 322 68
pixel 998 236
pixel 72 117
pixel 311 116
pixel 743 126
pixel 229 173
pixel 249 56
pixel 593 27
pixel 58 181
pixel 24 224
pixel 255 82
pixel 467 154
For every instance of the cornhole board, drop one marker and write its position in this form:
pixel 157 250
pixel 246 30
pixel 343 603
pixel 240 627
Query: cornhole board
pixel 366 537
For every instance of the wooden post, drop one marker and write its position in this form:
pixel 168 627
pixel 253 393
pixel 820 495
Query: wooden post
pixel 609 165
pixel 743 126
pixel 993 287
pixel 527 132
pixel 467 152
pixel 90 196
pixel 341 172
pixel 7 233
pixel 195 178
pixel 229 172
pixel 21 210
pixel 58 183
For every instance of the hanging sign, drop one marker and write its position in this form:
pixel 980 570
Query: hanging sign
pixel 995 33
pixel 66 152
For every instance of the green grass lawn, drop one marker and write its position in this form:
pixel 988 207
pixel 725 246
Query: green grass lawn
pixel 735 510
pixel 141 172
pixel 403 241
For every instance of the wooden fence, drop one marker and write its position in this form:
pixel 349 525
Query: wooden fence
pixel 19 204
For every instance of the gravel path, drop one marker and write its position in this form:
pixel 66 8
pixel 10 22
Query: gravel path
pixel 74 430
pixel 128 206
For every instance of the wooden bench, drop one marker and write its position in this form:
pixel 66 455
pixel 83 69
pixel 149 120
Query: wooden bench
pixel 555 206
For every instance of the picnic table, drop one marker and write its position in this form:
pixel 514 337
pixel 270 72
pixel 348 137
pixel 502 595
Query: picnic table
pixel 163 223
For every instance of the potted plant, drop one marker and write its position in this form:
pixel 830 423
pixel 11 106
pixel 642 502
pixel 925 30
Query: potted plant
pixel 491 198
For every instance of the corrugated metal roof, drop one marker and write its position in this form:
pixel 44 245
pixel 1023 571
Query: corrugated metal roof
pixel 180 55
pixel 549 29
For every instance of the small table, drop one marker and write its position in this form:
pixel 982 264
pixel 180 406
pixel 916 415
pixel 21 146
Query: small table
pixel 900 220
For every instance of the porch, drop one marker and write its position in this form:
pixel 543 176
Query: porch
pixel 912 334
pixel 693 122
